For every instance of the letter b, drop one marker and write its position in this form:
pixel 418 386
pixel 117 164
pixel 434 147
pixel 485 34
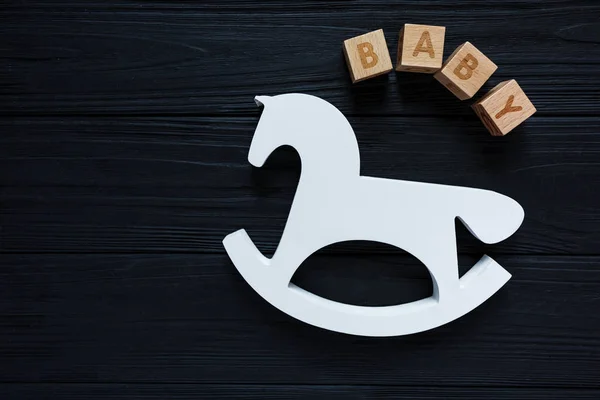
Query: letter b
pixel 368 58
pixel 464 70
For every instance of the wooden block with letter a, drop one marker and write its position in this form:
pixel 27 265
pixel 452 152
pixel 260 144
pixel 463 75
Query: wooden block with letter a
pixel 465 71
pixel 504 107
pixel 367 56
pixel 420 48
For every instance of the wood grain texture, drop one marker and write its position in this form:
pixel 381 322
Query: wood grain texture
pixel 124 131
pixel 182 184
pixel 504 108
pixel 284 392
pixel 192 318
pixel 465 71
pixel 367 56
pixel 208 58
pixel 420 48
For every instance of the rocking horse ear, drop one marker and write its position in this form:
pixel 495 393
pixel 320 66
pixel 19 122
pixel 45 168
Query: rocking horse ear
pixel 261 100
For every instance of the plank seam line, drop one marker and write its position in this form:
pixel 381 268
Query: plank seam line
pixel 150 115
pixel 366 385
pixel 332 254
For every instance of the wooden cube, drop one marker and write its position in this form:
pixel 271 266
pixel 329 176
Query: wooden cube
pixel 504 108
pixel 420 48
pixel 465 71
pixel 367 56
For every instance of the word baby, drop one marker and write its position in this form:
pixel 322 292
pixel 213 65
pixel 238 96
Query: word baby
pixel 421 49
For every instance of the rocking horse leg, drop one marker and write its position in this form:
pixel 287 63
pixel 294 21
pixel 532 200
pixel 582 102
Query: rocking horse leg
pixel 257 268
pixel 442 263
pixel 445 280
pixel 288 257
pixel 240 247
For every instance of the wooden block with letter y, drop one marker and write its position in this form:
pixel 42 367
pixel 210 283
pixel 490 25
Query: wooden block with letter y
pixel 465 71
pixel 367 56
pixel 504 108
pixel 420 48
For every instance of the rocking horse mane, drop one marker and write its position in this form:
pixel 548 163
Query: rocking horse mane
pixel 311 125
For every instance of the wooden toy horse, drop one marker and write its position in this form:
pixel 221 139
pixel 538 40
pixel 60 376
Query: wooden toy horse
pixel 333 203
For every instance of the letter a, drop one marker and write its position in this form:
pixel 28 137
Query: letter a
pixel 428 48
pixel 368 58
pixel 508 108
pixel 465 69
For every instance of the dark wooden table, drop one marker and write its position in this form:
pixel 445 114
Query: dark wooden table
pixel 124 131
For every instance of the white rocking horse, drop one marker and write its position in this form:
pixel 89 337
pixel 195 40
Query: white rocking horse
pixel 333 203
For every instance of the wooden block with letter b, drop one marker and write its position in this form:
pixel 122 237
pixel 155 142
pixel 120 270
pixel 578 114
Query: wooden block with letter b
pixel 504 107
pixel 367 56
pixel 465 71
pixel 420 48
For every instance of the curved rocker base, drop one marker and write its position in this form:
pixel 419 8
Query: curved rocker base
pixel 484 279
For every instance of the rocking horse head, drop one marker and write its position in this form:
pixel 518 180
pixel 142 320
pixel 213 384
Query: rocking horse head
pixel 314 127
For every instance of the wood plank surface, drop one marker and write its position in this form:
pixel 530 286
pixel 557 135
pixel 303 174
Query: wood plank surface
pixel 289 392
pixel 192 318
pixel 182 184
pixel 207 58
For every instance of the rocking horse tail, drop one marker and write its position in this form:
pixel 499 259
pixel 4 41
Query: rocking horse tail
pixel 491 217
